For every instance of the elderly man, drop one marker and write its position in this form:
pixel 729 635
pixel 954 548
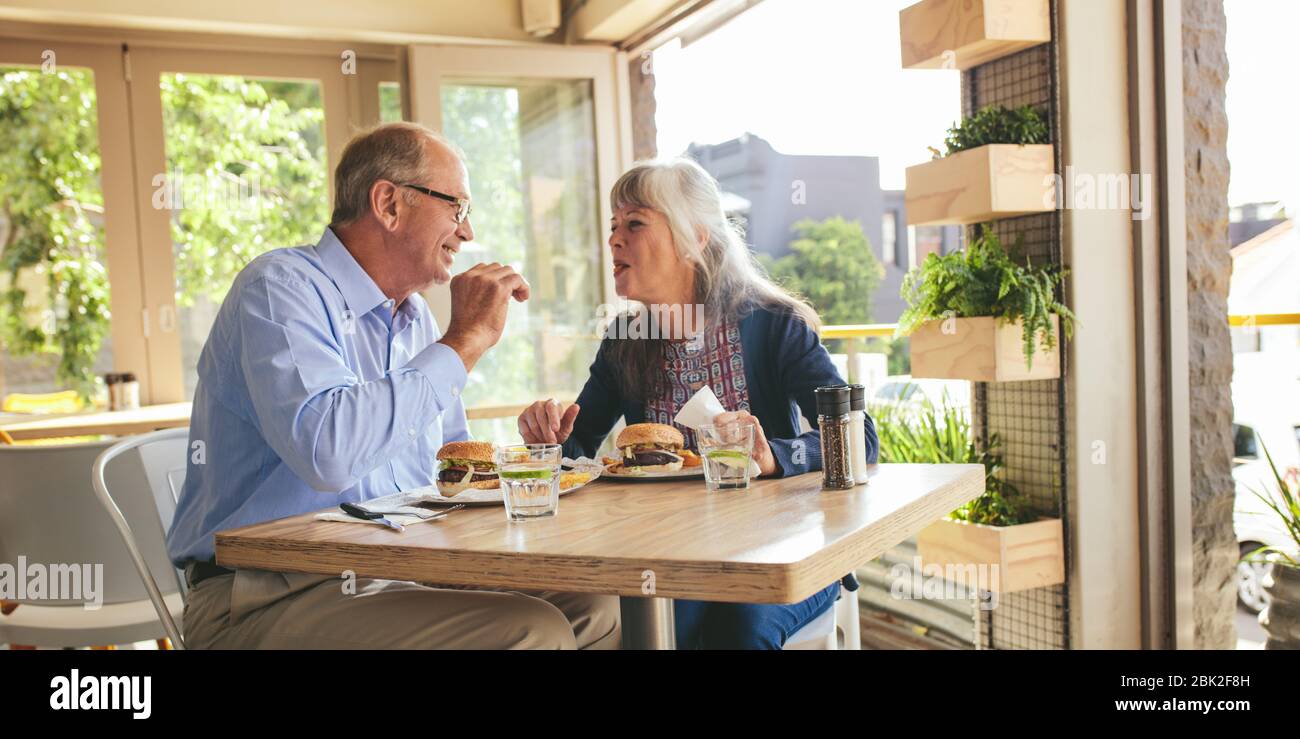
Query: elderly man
pixel 325 380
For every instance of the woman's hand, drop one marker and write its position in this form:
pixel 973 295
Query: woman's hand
pixel 545 422
pixel 762 452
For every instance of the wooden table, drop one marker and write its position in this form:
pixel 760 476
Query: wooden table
pixel 115 423
pixel 779 542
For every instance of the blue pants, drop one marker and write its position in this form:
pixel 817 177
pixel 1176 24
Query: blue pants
pixel 706 625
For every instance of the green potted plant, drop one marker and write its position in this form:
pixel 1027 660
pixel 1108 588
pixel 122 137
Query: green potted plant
pixel 979 314
pixel 1281 617
pixel 999 530
pixel 999 163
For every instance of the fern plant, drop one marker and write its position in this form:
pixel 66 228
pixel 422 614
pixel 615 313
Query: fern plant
pixel 942 435
pixel 984 280
pixel 996 124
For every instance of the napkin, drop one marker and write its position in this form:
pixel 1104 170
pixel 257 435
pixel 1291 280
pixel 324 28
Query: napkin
pixel 584 464
pixel 394 502
pixel 700 410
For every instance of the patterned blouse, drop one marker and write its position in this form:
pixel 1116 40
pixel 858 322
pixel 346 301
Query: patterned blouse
pixel 716 358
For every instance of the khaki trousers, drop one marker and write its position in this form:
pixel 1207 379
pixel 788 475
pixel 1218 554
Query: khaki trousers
pixel 256 609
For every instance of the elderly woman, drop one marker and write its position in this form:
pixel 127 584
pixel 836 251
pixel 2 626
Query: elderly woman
pixel 673 250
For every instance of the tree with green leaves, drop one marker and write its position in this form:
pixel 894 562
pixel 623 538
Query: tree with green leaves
pixel 484 121
pixel 260 161
pixel 245 158
pixel 53 283
pixel 831 264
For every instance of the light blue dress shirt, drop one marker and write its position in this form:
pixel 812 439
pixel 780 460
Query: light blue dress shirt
pixel 311 392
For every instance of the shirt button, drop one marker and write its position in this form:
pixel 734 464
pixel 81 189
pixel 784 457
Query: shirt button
pixel 411 431
pixel 455 391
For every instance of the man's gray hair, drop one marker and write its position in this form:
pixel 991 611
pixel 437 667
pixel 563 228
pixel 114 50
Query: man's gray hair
pixel 392 151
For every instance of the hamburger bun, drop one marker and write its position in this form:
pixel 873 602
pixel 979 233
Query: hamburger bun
pixel 659 443
pixel 650 433
pixel 474 451
pixel 673 467
pixel 451 489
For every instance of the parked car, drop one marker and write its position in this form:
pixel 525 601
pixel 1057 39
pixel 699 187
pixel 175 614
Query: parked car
pixel 904 391
pixel 1256 524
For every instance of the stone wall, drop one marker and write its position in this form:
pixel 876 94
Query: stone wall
pixel 1205 121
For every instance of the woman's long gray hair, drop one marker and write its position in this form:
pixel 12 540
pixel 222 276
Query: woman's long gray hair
pixel 729 282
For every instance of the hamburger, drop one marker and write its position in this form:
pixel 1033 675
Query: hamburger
pixel 466 464
pixel 654 447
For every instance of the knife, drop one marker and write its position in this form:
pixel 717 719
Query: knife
pixel 358 512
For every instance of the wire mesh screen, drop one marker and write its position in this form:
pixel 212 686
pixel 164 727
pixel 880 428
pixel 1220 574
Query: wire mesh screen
pixel 1028 417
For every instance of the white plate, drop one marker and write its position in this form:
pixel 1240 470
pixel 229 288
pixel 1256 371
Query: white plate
pixel 475 497
pixel 685 473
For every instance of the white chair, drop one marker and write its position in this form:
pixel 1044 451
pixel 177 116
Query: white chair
pixel 837 628
pixel 158 461
pixel 48 515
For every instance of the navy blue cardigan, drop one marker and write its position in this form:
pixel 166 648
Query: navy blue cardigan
pixel 784 363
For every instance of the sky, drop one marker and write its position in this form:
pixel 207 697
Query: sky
pixel 1263 101
pixel 824 77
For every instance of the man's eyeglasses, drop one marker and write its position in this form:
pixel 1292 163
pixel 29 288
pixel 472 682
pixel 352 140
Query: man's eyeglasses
pixel 463 206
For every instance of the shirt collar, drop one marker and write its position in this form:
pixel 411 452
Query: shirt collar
pixel 410 308
pixel 359 291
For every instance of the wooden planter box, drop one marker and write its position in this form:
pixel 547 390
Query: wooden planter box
pixel 959 34
pixel 1030 555
pixel 981 350
pixel 981 184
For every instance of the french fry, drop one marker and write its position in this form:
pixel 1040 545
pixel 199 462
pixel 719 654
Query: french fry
pixel 571 479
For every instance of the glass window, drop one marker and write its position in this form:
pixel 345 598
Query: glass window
pixel 1243 442
pixel 889 232
pixel 390 102
pixel 530 147
pixel 246 173
pixel 54 291
pixel 929 240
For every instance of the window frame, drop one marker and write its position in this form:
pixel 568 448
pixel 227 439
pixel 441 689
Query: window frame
pixel 605 68
pixel 127 65
pixel 157 254
pixel 125 282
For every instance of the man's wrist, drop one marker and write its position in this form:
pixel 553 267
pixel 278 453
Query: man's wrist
pixel 470 348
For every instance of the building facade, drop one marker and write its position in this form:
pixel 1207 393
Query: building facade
pixel 775 191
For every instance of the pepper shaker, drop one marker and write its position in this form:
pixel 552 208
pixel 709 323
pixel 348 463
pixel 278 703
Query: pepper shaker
pixel 833 420
pixel 113 386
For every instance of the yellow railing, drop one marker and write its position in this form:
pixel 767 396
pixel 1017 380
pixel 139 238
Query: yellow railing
pixel 859 331
pixel 480 412
pixel 886 330
pixel 851 333
pixel 1265 319
pixel 65 401
pixel 864 331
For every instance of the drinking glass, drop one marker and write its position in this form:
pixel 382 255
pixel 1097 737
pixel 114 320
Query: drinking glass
pixel 530 480
pixel 726 451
